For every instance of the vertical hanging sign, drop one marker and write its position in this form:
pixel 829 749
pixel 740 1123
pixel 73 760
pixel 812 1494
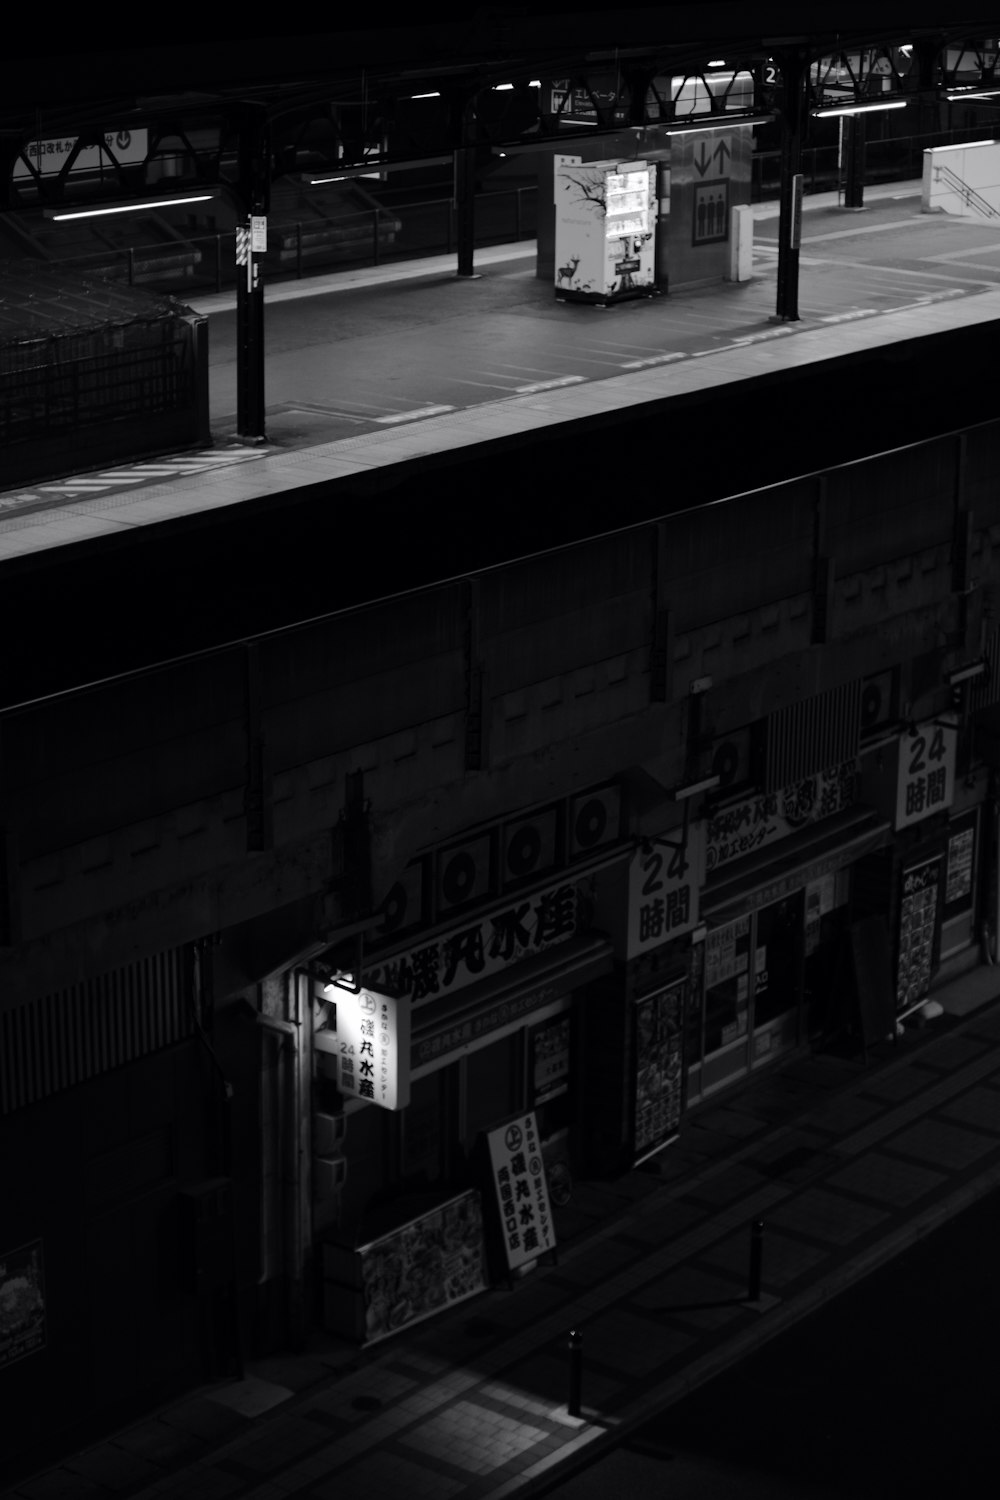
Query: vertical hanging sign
pixel 522 1192
pixel 373 1048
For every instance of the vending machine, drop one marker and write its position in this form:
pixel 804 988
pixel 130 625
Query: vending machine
pixel 605 230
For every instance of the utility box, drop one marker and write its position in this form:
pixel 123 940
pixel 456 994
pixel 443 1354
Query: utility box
pixel 741 244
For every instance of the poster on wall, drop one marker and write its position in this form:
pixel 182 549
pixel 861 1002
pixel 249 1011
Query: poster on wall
pixel 664 877
pixel 658 1049
pixel 550 1059
pixel 22 1303
pixel 918 912
pixel 424 1266
pixel 522 1193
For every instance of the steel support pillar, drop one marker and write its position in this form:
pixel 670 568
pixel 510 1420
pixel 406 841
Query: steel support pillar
pixel 790 215
pixel 253 193
pixel 854 187
pixel 465 210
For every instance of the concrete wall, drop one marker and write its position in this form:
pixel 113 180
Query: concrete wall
pixel 129 808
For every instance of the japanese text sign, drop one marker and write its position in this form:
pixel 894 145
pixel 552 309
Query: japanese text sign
pixel 664 877
pixel 925 782
pixel 373 1048
pixel 522 1192
pixel 485 946
pixel 761 821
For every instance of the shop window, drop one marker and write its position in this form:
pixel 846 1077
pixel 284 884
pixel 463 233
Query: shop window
pixel 777 957
pixel 958 913
pixel 727 984
pixel 548 1074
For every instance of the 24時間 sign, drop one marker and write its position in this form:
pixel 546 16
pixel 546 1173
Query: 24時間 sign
pixel 522 1191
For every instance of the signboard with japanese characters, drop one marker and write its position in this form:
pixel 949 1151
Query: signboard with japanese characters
pixel 925 782
pixel 373 1048
pixel 129 148
pixel 761 821
pixel 522 1192
pixel 918 909
pixel 484 946
pixel 658 1050
pixel 22 1303
pixel 664 877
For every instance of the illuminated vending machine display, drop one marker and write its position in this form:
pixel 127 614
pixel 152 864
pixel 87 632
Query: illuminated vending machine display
pixel 605 230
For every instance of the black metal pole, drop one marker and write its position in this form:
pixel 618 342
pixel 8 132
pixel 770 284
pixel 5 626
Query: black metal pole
pixel 854 190
pixel 575 1372
pixel 756 1260
pixel 253 196
pixel 465 209
pixel 790 202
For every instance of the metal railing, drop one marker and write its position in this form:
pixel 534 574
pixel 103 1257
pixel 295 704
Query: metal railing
pixel 407 231
pixel 968 195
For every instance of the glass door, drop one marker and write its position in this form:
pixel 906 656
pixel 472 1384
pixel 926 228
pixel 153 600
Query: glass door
pixel 777 977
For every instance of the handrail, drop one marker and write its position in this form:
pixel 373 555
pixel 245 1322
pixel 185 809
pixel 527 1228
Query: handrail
pixel 968 194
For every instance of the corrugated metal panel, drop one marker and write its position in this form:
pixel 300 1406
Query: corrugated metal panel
pixel 806 737
pixel 64 1038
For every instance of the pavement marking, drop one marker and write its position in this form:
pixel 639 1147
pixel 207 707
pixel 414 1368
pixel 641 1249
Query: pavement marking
pixel 548 385
pixel 129 476
pixel 410 416
pixel 653 359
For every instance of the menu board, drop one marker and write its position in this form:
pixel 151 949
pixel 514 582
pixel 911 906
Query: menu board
pixel 424 1266
pixel 917 921
pixel 958 883
pixel 522 1192
pixel 659 1054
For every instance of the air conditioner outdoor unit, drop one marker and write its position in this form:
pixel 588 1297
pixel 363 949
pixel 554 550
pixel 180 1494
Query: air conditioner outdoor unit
pixel 529 845
pixel 594 820
pixel 404 905
pixel 464 873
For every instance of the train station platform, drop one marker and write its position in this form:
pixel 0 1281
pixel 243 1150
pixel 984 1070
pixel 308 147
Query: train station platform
pixel 846 1162
pixel 371 370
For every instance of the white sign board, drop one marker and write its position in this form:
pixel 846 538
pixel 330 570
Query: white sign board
pixel 925 782
pixel 258 234
pixel 522 1192
pixel 664 877
pixel 128 147
pixel 373 1047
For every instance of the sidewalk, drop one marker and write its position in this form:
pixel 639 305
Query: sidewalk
pixel 846 1165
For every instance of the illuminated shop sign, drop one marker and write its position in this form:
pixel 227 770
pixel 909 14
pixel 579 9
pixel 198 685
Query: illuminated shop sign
pixel 484 946
pixel 373 1048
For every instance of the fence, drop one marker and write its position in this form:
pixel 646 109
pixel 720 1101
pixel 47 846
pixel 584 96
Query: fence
pixel 408 231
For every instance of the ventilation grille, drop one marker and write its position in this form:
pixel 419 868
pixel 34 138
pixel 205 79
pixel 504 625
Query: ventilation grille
pixel 65 1038
pixel 807 737
pixel 985 690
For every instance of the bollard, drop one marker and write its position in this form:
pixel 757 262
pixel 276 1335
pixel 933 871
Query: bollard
pixel 756 1260
pixel 575 1372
